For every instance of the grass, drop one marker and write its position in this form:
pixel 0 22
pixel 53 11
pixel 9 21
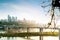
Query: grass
pixel 28 34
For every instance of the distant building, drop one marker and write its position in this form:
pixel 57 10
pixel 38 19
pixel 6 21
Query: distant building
pixel 9 18
pixel 14 19
pixel 5 20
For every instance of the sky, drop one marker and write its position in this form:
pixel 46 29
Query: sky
pixel 28 9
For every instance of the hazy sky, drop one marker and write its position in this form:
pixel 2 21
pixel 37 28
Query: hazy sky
pixel 28 9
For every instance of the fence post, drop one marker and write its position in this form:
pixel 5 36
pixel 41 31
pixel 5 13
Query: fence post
pixel 41 37
pixel 59 34
pixel 27 32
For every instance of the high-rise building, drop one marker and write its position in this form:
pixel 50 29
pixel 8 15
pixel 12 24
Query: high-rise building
pixel 9 18
pixel 14 19
pixel 4 20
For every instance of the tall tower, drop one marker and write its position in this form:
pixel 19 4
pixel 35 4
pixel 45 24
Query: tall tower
pixel 9 18
pixel 14 19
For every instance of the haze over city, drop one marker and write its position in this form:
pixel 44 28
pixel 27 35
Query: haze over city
pixel 29 9
pixel 37 11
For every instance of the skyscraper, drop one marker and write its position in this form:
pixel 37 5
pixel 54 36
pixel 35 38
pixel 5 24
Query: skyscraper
pixel 9 18
pixel 14 19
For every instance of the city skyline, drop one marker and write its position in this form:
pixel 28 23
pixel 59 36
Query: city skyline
pixel 9 19
pixel 28 9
